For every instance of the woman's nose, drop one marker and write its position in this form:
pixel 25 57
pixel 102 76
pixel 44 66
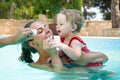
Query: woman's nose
pixel 47 31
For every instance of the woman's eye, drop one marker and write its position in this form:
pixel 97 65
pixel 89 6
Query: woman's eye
pixel 45 25
pixel 40 30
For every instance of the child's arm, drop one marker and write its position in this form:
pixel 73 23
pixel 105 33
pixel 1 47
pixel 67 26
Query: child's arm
pixel 74 51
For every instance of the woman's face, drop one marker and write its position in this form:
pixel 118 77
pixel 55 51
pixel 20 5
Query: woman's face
pixel 42 31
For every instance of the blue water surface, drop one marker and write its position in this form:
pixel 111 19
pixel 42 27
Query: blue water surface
pixel 12 69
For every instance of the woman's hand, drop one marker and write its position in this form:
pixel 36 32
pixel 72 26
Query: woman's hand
pixel 23 34
pixel 57 44
pixel 47 47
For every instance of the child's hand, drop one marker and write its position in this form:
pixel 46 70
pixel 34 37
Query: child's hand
pixel 56 44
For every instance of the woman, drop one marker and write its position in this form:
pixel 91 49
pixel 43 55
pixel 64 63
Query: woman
pixel 39 44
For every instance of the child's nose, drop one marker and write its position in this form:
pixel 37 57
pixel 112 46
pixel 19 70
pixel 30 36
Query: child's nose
pixel 57 26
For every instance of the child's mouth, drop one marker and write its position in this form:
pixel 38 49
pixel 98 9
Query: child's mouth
pixel 58 31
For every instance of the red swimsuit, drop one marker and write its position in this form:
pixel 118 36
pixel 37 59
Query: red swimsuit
pixel 85 49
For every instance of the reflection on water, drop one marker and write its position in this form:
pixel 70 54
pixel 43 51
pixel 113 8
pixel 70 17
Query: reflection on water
pixel 84 74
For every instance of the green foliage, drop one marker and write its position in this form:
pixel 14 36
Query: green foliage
pixel 23 12
pixel 51 7
pixel 74 4
pixel 103 5
pixel 48 8
pixel 30 9
pixel 4 10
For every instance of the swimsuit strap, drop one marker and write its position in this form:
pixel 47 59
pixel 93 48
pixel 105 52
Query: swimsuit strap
pixel 62 39
pixel 77 38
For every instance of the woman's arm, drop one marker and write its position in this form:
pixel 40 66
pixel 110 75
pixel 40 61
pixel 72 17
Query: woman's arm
pixel 6 41
pixel 20 36
pixel 56 61
pixel 54 55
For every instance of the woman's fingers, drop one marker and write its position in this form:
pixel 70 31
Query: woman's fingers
pixel 46 44
pixel 23 34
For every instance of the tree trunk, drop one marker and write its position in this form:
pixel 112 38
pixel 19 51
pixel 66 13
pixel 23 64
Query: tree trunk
pixel 12 7
pixel 115 13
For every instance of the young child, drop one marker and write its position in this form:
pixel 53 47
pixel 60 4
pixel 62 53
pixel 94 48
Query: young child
pixel 73 49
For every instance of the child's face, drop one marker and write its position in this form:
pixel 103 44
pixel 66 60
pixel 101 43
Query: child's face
pixel 64 27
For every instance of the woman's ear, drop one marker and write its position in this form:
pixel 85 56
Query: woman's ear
pixel 74 27
pixel 33 44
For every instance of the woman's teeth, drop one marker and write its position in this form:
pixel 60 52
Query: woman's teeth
pixel 51 37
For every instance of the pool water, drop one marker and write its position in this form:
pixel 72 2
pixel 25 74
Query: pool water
pixel 12 69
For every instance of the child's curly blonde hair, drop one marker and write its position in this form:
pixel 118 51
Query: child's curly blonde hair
pixel 75 17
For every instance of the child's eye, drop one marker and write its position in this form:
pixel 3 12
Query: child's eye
pixel 46 26
pixel 61 24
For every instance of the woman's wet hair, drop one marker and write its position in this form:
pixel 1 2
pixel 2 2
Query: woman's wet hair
pixel 26 55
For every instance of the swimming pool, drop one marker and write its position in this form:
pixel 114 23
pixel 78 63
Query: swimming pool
pixel 12 69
